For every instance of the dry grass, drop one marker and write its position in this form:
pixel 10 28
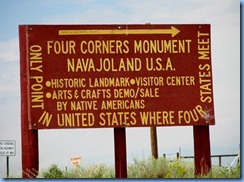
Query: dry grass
pixel 145 168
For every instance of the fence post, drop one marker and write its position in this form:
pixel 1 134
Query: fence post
pixel 220 161
pixel 178 155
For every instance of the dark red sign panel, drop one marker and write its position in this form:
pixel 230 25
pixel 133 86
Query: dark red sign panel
pixel 94 76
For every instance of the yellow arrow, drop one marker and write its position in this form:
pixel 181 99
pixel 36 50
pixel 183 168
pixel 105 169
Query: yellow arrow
pixel 173 31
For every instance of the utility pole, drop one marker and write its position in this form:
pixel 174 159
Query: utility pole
pixel 154 142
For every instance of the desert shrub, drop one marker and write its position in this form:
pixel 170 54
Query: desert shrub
pixel 160 168
pixel 91 171
pixel 53 172
pixel 150 168
pixel 142 168
pixel 224 172
pixel 180 169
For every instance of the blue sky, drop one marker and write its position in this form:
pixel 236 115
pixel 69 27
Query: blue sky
pixel 223 15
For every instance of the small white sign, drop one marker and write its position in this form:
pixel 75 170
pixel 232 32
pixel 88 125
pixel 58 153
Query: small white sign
pixel 75 161
pixel 7 148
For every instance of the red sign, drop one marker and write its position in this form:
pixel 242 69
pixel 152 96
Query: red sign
pixel 95 76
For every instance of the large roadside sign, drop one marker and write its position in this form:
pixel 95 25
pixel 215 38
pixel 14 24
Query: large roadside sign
pixel 95 76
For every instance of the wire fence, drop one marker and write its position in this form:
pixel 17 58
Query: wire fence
pixel 237 159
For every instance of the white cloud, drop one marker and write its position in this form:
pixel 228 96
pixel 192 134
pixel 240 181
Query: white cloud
pixel 9 68
pixel 9 79
pixel 93 14
pixel 217 12
pixel 9 50
pixel 64 2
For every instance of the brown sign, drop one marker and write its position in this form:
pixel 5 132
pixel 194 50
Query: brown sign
pixel 94 76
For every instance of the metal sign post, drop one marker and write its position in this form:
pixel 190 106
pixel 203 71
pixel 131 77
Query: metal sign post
pixel 7 148
pixel 7 160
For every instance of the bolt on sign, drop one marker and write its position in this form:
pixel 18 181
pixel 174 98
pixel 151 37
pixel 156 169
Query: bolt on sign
pixel 97 76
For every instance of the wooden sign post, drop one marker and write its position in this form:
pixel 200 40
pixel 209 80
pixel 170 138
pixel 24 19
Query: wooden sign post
pixel 202 152
pixel 120 153
pixel 117 76
pixel 29 138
